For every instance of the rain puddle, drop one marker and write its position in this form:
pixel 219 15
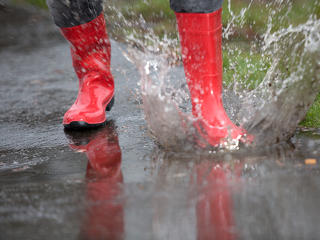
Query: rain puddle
pixel 143 175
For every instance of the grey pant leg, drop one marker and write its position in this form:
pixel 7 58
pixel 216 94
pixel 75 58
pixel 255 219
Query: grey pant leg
pixel 195 6
pixel 70 13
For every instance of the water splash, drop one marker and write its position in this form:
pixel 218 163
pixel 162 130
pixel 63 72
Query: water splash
pixel 290 85
pixel 286 75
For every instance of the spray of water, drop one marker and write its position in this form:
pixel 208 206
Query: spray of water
pixel 290 85
pixel 287 76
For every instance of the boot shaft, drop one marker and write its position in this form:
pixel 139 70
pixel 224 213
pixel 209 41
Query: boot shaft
pixel 201 40
pixel 90 46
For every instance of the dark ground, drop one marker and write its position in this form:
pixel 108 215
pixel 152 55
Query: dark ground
pixel 49 189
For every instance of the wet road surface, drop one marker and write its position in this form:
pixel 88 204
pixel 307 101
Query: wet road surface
pixel 115 182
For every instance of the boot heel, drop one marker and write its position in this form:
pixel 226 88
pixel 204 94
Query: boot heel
pixel 110 105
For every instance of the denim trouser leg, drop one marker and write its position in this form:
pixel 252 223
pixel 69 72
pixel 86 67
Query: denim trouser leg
pixel 70 13
pixel 195 6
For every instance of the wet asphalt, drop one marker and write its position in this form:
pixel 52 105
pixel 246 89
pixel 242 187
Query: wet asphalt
pixel 115 182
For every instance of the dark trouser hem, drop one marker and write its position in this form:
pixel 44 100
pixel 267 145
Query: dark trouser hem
pixel 70 13
pixel 195 6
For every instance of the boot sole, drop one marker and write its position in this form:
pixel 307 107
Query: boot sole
pixel 78 125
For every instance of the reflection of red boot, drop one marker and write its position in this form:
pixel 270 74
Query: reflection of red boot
pixel 200 36
pixel 214 208
pixel 105 215
pixel 90 50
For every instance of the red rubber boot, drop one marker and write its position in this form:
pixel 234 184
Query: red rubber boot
pixel 90 51
pixel 201 37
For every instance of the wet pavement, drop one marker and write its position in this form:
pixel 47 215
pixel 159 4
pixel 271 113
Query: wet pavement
pixel 115 182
